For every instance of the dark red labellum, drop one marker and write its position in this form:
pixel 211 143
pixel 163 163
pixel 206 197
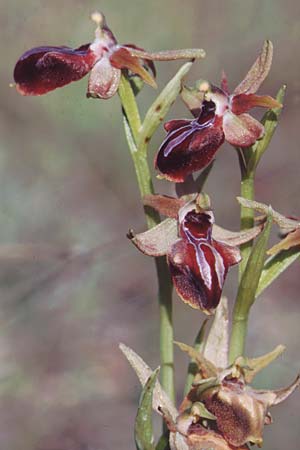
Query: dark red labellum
pixel 43 69
pixel 190 145
pixel 198 263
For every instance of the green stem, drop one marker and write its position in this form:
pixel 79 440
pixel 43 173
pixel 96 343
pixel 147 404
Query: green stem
pixel 247 218
pixel 132 124
pixel 238 336
pixel 240 316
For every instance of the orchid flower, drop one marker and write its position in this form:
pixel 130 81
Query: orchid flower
pixel 199 253
pixel 190 145
pixel 43 69
pixel 222 410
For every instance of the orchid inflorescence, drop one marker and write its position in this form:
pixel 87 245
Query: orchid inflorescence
pixel 220 409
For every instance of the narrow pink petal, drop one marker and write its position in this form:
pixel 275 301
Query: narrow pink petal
pixel 244 102
pixel 43 69
pixel 258 72
pixel 147 62
pixel 242 130
pixel 104 79
pixel 121 58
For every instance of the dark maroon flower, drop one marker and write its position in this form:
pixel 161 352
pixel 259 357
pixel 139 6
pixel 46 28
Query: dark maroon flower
pixel 198 263
pixel 199 253
pixel 191 145
pixel 43 69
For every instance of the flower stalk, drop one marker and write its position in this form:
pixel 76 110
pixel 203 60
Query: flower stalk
pixel 249 159
pixel 247 217
pixel 241 310
pixel 132 125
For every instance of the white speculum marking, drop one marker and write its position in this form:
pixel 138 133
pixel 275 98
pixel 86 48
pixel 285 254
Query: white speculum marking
pixel 203 265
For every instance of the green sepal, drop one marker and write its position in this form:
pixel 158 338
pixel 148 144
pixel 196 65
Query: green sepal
pixel 208 383
pixel 163 443
pixel 143 431
pixel 205 367
pixel 199 409
pixel 275 265
pixel 160 107
pixel 252 366
pixel 252 273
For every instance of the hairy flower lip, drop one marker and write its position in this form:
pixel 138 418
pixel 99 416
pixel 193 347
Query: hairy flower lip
pixel 37 60
pixel 190 144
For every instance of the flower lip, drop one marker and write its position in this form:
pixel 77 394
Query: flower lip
pixel 207 117
pixel 178 136
pixel 197 226
pixel 190 144
pixel 198 263
pixel 43 69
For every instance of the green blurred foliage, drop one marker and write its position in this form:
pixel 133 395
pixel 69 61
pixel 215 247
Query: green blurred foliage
pixel 67 183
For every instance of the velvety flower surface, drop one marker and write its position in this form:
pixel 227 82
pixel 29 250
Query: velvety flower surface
pixel 240 411
pixel 190 145
pixel 199 254
pixel 43 69
pixel 198 263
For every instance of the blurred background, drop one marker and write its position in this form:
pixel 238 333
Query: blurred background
pixel 67 188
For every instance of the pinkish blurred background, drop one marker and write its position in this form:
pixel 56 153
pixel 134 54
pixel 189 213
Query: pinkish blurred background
pixel 67 185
